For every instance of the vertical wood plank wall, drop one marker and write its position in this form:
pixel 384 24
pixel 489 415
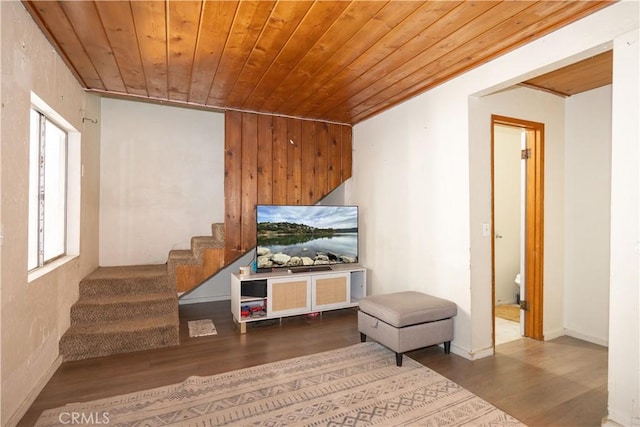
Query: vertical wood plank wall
pixel 277 160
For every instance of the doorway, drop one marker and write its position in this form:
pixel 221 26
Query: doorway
pixel 517 173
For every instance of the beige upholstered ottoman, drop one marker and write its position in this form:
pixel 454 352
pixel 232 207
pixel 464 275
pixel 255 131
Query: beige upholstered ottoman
pixel 405 321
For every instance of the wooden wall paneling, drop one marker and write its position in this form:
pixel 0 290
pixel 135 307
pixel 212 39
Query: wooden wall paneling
pixel 232 184
pixel 347 154
pixel 277 160
pixel 249 180
pixel 280 148
pixel 186 275
pixel 294 158
pixel 308 147
pixel 213 261
pixel 320 159
pixel 334 165
pixel 265 159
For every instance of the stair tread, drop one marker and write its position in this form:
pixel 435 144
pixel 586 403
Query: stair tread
pixel 209 241
pixel 120 326
pixel 180 253
pixel 128 271
pixel 125 298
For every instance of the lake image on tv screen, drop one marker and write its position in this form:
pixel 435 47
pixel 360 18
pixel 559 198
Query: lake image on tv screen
pixel 290 236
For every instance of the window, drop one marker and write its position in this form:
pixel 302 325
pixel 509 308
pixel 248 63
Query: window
pixel 47 190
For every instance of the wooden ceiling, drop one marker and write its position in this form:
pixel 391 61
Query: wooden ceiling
pixel 339 61
pixel 588 74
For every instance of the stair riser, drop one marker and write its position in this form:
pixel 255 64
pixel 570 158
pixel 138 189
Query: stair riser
pixel 92 313
pixel 113 287
pixel 217 231
pixel 86 346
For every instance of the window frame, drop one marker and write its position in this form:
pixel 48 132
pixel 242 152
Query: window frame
pixel 73 174
pixel 43 122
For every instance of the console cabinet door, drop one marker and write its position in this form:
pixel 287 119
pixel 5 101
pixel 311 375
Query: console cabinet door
pixel 330 291
pixel 288 296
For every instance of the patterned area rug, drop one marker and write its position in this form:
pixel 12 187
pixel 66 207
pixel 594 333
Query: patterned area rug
pixel 353 386
pixel 201 328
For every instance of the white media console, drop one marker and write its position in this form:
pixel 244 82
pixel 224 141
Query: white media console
pixel 279 294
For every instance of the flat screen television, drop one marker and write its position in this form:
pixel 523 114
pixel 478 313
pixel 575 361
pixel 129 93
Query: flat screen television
pixel 305 238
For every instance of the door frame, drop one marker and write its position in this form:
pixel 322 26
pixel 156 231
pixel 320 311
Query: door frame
pixel 534 224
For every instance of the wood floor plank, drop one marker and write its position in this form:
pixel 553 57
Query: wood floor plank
pixel 559 382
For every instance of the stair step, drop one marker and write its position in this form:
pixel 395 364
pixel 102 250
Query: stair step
pixel 121 307
pixel 102 339
pixel 182 256
pixel 126 280
pixel 200 243
pixel 207 242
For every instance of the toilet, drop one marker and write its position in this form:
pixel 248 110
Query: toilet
pixel 517 281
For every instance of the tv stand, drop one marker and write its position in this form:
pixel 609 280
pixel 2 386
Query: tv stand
pixel 275 295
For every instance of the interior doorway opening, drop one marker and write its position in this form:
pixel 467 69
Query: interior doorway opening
pixel 517 172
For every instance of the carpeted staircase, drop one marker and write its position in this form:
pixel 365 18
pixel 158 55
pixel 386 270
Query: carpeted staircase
pixel 188 268
pixel 120 310
pixel 125 309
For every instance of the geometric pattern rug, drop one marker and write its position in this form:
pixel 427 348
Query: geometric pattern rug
pixel 354 386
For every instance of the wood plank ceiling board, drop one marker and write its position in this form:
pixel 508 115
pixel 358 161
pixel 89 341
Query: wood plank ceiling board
pixel 371 46
pixel 59 31
pixel 282 23
pixel 338 61
pixel 247 27
pixel 307 76
pixel 120 31
pixel 572 78
pixel 217 19
pixel 462 51
pixel 151 30
pixel 183 22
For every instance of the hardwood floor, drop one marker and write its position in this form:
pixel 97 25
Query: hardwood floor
pixel 561 382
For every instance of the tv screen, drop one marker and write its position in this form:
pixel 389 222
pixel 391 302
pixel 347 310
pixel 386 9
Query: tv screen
pixel 305 236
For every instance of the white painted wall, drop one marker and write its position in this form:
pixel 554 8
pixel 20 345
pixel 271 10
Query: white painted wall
pixel 507 212
pixel 588 215
pixel 422 180
pixel 624 295
pixel 35 315
pixel 161 181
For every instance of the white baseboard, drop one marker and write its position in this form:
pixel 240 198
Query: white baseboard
pixel 33 394
pixel 196 300
pixel 556 333
pixel 475 355
pixel 588 338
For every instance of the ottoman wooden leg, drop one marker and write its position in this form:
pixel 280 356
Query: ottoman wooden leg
pixel 363 337
pixel 399 359
pixel 447 347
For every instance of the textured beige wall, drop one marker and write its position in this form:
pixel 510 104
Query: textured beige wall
pixel 35 315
